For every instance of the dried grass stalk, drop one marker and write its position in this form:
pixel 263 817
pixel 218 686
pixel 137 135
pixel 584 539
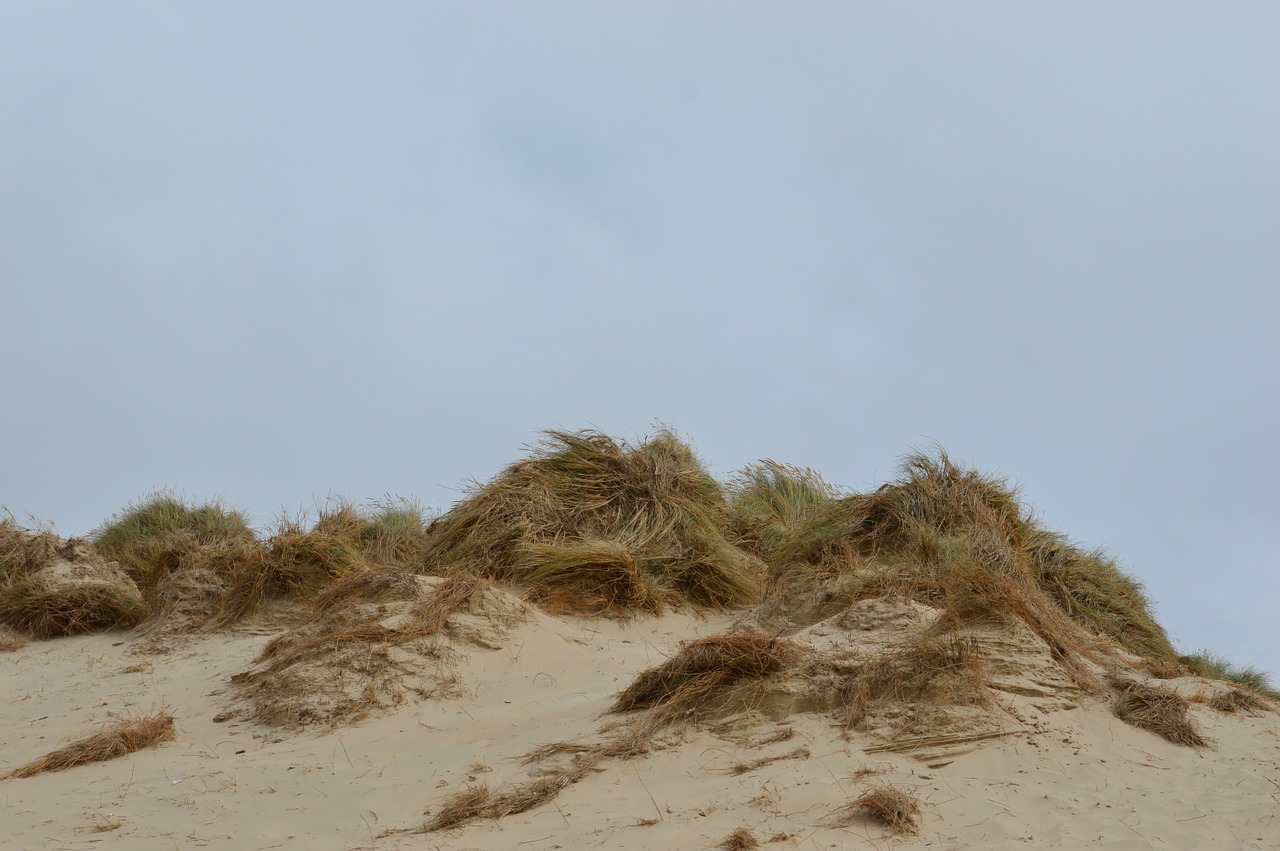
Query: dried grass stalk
pixel 124 737
pixel 744 767
pixel 477 802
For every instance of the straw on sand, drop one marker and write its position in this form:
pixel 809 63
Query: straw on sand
pixel 123 737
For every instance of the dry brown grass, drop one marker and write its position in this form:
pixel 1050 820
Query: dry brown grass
pixel 477 802
pixel 585 513
pixel 895 808
pixel 744 767
pixel 949 537
pixel 1158 709
pixel 593 578
pixel 44 611
pixel 740 840
pixel 23 550
pixel 929 671
pixel 703 671
pixel 1163 669
pixel 1236 699
pixel 52 587
pixel 123 737
pixel 10 640
pixel 338 621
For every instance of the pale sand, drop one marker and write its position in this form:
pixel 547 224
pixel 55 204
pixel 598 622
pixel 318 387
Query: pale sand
pixel 1075 777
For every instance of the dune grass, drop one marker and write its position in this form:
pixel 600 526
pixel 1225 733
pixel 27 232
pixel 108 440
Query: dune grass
pixel 1158 709
pixel 150 537
pixel 948 536
pixel 928 671
pixel 1237 699
pixel 892 806
pixel 47 607
pixel 163 535
pixel 584 511
pixel 29 605
pixel 24 551
pixel 1214 667
pixel 125 736
pixel 703 670
pixel 307 556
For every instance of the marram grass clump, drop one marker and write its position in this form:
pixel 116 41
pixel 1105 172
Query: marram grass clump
pixel 51 587
pixel 948 536
pixel 163 541
pixel 1158 709
pixel 585 513
pixel 43 610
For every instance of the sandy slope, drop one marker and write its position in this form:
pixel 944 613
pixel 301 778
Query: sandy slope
pixel 1064 773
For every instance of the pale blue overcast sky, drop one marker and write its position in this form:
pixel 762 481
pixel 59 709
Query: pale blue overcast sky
pixel 273 251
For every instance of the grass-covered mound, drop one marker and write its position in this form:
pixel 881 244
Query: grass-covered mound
pixel 344 537
pixel 199 563
pixel 945 535
pixel 203 565
pixel 51 587
pixel 599 526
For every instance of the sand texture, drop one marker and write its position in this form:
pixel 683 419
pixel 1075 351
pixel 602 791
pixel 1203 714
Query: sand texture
pixel 362 744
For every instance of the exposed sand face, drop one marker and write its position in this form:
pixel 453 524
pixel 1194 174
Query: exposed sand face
pixel 1050 765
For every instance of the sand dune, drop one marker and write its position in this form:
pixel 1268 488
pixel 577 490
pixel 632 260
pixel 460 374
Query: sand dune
pixel 1051 765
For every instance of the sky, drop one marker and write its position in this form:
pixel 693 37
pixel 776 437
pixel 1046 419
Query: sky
pixel 278 252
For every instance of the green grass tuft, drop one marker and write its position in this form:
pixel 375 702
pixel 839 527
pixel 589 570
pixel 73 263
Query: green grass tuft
pixel 1214 667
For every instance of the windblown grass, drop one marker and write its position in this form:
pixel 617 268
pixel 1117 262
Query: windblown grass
pixel 929 671
pixel 207 562
pixel 591 577
pixel 44 611
pixel 477 802
pixel 24 551
pixel 149 539
pixel 1158 709
pixel 57 602
pixel 777 510
pixel 585 510
pixel 1236 699
pixel 125 736
pixel 949 537
pixel 704 671
pixel 1214 667
pixel 895 808
pixel 163 540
